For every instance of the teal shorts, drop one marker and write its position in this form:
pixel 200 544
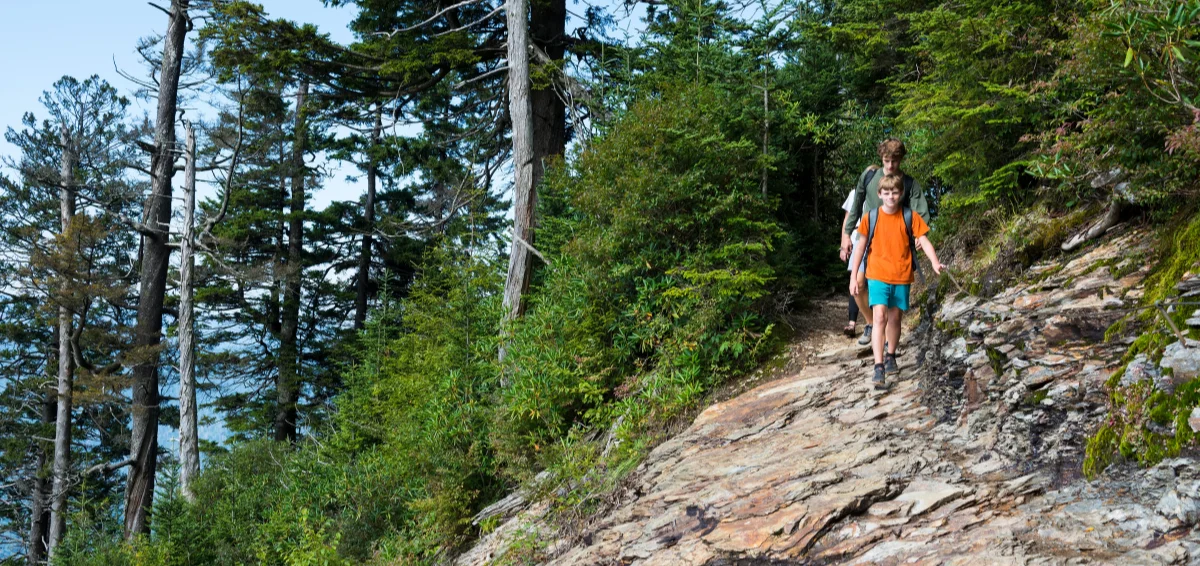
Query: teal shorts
pixel 891 296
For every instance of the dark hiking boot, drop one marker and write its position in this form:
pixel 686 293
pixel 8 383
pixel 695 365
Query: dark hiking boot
pixel 879 381
pixel 866 336
pixel 889 364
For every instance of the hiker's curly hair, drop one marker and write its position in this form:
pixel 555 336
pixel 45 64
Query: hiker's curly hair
pixel 892 148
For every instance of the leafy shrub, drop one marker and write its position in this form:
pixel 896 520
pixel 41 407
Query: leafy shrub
pixel 657 293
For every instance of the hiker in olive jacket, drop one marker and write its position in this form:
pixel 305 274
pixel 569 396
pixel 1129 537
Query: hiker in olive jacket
pixel 866 199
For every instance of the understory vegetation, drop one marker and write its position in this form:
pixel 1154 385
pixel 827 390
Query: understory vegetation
pixel 692 218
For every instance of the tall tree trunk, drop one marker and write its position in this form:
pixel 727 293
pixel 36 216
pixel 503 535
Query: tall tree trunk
pixel 287 390
pixel 39 517
pixel 548 24
pixel 279 253
pixel 189 440
pixel 364 258
pixel 66 366
pixel 143 449
pixel 520 260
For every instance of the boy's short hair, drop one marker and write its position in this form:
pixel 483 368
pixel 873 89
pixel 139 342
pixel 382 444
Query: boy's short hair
pixel 892 148
pixel 892 182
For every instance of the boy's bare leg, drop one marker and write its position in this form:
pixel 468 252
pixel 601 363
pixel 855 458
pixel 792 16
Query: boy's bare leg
pixel 861 299
pixel 894 315
pixel 880 314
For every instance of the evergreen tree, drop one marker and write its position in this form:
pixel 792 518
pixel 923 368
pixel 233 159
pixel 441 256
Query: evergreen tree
pixel 73 261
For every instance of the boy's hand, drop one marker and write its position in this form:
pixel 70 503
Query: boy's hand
pixel 846 247
pixel 937 267
pixel 853 285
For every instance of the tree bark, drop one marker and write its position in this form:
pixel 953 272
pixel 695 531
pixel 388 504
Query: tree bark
pixel 189 440
pixel 279 253
pixel 548 23
pixel 66 366
pixel 364 258
pixel 520 261
pixel 155 254
pixel 287 389
pixel 39 517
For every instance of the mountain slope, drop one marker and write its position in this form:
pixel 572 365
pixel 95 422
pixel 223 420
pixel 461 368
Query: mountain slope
pixel 971 457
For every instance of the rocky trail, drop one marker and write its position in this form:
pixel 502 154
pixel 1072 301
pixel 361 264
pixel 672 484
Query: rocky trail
pixel 971 457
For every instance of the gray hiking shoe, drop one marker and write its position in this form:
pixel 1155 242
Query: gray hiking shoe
pixel 878 381
pixel 889 364
pixel 866 336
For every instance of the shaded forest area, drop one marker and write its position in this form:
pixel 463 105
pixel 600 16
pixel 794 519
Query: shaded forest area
pixel 384 369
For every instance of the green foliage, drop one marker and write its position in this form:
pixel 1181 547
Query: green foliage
pixel 399 476
pixel 1161 43
pixel 1180 254
pixel 655 297
pixel 1146 424
pixel 263 503
pixel 968 114
pixel 1114 116
pixel 418 401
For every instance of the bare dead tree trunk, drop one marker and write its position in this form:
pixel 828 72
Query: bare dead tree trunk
pixel 155 255
pixel 66 366
pixel 520 261
pixel 287 389
pixel 364 258
pixel 39 516
pixel 1112 217
pixel 189 440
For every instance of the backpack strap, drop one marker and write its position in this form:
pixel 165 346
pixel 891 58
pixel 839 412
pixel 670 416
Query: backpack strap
pixel 912 243
pixel 906 202
pixel 867 176
pixel 860 194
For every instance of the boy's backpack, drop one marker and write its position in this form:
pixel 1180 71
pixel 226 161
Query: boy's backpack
pixel 869 175
pixel 873 217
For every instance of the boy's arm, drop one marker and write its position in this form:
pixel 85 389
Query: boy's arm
pixel 846 243
pixel 855 261
pixel 927 247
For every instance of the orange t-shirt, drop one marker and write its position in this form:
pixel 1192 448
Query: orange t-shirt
pixel 890 260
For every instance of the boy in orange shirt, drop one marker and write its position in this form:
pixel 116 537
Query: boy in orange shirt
pixel 890 252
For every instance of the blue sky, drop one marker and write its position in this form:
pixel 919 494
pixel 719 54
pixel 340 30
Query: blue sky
pixel 42 40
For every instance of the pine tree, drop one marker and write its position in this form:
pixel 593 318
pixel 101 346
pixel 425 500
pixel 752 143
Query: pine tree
pixel 73 169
